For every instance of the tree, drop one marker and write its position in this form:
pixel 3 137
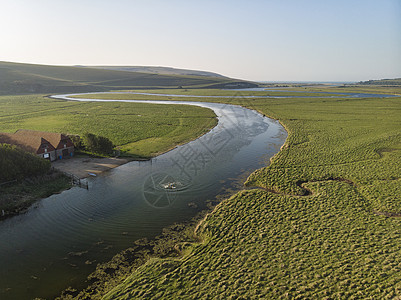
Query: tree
pixel 77 141
pixel 97 144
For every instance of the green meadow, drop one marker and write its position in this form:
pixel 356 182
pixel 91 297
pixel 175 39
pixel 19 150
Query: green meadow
pixel 185 94
pixel 321 221
pixel 139 130
pixel 369 89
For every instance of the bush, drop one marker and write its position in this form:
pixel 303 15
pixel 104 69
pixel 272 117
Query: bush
pixel 77 141
pixel 97 144
pixel 16 163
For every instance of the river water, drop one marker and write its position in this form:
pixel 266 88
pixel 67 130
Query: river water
pixel 240 95
pixel 59 240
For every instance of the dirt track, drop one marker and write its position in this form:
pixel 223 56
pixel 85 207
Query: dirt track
pixel 80 167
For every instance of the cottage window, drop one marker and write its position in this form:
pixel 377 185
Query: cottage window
pixel 44 146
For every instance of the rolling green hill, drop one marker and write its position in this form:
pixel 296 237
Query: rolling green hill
pixel 159 70
pixel 17 78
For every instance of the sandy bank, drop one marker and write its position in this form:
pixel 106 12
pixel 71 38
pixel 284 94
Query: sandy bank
pixel 81 166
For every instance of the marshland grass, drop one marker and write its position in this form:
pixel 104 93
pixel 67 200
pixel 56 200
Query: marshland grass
pixel 324 225
pixel 138 129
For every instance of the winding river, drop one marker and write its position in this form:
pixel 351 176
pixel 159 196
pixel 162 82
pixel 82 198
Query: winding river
pixel 59 240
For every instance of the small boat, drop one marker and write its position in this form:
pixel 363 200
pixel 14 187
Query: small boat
pixel 92 174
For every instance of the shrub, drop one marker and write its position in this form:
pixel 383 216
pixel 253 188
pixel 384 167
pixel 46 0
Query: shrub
pixel 16 163
pixel 97 144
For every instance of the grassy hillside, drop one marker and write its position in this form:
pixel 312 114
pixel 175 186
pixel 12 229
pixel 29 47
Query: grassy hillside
pixel 16 78
pixel 141 130
pixel 325 223
pixel 24 178
pixel 18 164
pixel 159 70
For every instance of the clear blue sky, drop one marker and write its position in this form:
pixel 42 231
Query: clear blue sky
pixel 316 40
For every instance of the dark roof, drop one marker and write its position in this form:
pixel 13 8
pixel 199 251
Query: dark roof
pixel 30 140
pixel 52 137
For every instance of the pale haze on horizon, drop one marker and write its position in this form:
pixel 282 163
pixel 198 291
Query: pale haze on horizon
pixel 309 40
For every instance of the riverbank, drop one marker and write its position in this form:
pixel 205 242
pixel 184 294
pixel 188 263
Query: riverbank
pixel 174 242
pixel 82 167
pixel 16 197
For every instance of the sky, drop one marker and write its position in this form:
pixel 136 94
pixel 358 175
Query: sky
pixel 271 40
